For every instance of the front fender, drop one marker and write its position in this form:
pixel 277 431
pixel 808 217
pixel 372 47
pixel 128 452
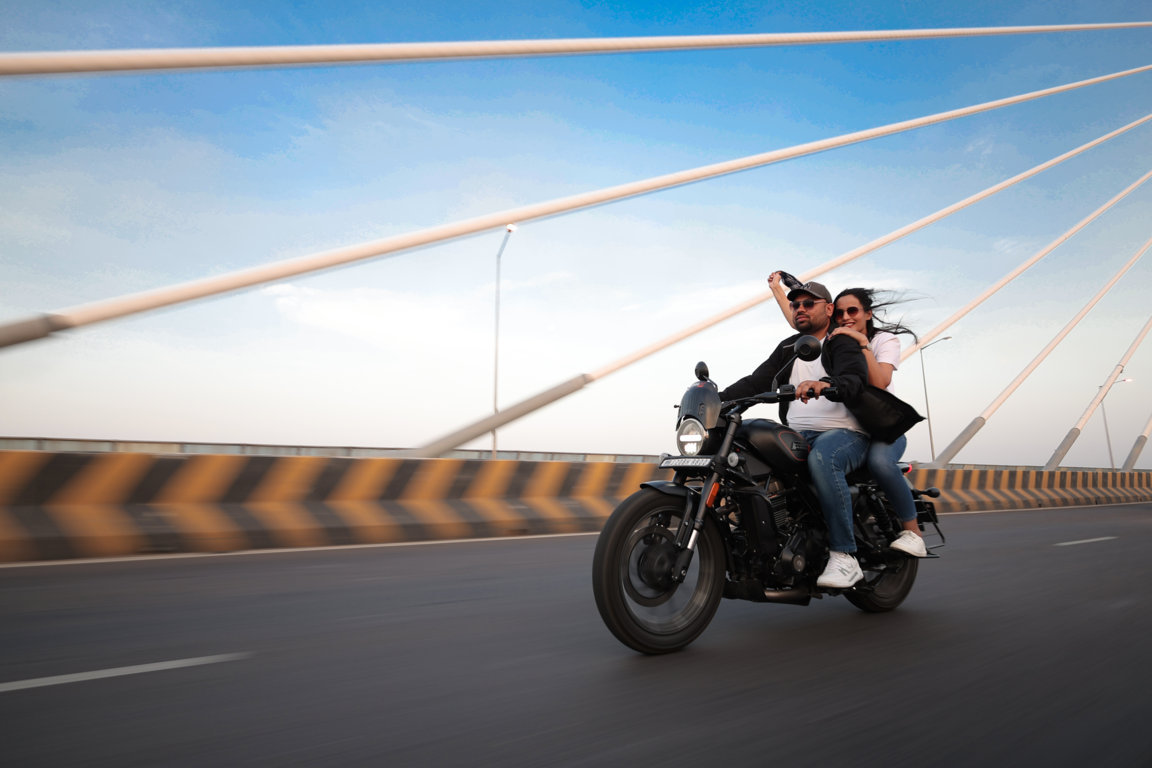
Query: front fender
pixel 672 488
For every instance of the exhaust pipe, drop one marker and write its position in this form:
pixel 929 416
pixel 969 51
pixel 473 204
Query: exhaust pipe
pixel 790 596
pixel 753 590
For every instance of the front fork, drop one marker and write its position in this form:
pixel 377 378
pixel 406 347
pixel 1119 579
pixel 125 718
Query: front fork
pixel 689 532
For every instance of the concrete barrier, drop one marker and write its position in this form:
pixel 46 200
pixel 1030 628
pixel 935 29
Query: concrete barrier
pixel 57 505
pixel 964 490
pixel 66 505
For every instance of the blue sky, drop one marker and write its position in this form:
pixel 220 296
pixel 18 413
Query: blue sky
pixel 117 183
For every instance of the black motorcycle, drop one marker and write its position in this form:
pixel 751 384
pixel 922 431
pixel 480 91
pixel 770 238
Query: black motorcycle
pixel 739 520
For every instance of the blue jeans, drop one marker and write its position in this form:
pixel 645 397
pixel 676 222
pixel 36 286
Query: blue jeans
pixel 882 458
pixel 831 456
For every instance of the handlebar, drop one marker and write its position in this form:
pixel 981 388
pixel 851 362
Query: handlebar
pixel 783 394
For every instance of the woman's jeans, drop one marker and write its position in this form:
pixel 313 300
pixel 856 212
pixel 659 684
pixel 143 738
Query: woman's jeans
pixel 882 458
pixel 831 456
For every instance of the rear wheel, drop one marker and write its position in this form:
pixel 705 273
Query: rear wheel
pixel 883 590
pixel 889 580
pixel 632 575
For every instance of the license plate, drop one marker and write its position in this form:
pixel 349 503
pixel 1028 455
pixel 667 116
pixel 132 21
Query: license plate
pixel 686 461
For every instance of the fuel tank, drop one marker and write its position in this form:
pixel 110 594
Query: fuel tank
pixel 783 449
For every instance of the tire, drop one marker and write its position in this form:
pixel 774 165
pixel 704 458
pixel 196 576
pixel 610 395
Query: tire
pixel 883 590
pixel 631 575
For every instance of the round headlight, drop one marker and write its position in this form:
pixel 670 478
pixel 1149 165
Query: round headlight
pixel 690 436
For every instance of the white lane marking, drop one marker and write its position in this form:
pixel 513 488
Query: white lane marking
pixel 159 666
pixel 281 551
pixel 1085 541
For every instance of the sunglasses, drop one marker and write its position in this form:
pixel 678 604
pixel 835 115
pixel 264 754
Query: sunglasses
pixel 806 303
pixel 850 311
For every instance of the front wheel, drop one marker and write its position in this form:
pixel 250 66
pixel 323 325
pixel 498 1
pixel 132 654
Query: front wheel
pixel 632 575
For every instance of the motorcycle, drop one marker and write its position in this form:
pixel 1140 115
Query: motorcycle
pixel 740 520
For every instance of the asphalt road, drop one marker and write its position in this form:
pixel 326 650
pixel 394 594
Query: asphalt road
pixel 1016 648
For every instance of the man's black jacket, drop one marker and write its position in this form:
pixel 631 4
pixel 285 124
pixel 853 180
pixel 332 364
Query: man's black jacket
pixel 842 358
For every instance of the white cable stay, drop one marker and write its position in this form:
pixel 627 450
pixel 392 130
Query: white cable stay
pixel 869 247
pixel 124 60
pixel 1137 447
pixel 926 338
pixel 1102 392
pixel 978 423
pixel 43 325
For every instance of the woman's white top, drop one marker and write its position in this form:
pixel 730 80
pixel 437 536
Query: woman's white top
pixel 886 349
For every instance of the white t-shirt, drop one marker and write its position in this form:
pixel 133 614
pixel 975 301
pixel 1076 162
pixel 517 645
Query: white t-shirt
pixel 886 349
pixel 819 414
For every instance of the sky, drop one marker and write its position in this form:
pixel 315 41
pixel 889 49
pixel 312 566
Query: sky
pixel 113 184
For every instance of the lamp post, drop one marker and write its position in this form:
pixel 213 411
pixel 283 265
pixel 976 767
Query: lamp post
pixel 927 409
pixel 508 230
pixel 1104 416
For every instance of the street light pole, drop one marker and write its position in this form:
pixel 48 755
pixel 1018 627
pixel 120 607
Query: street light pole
pixel 1107 437
pixel 1104 416
pixel 508 230
pixel 927 408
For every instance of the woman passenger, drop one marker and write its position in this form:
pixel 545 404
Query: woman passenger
pixel 855 316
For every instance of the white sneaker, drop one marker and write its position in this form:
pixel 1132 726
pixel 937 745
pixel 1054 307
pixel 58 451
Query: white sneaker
pixel 910 543
pixel 841 572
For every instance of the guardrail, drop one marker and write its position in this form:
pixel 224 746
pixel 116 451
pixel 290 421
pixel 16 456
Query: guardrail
pixel 58 505
pixel 990 489
pixel 65 505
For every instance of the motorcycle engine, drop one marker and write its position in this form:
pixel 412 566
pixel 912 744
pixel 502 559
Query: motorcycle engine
pixel 778 503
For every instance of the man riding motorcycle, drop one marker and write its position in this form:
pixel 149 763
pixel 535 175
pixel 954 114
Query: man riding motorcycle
pixel 838 443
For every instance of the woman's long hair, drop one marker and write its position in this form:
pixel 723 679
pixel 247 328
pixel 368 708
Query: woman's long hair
pixel 875 301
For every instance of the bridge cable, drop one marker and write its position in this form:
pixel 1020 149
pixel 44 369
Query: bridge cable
pixel 1102 392
pixel 924 339
pixel 516 411
pixel 970 431
pixel 39 326
pixel 869 247
pixel 1137 447
pixel 124 60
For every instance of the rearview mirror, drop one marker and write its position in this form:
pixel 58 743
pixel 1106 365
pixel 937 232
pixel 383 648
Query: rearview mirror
pixel 807 348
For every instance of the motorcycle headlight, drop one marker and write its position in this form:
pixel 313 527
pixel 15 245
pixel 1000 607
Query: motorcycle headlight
pixel 690 436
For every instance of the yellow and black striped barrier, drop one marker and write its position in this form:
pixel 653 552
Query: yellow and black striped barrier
pixel 68 505
pixel 65 505
pixel 963 490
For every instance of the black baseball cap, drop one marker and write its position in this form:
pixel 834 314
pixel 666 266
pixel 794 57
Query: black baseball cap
pixel 812 288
